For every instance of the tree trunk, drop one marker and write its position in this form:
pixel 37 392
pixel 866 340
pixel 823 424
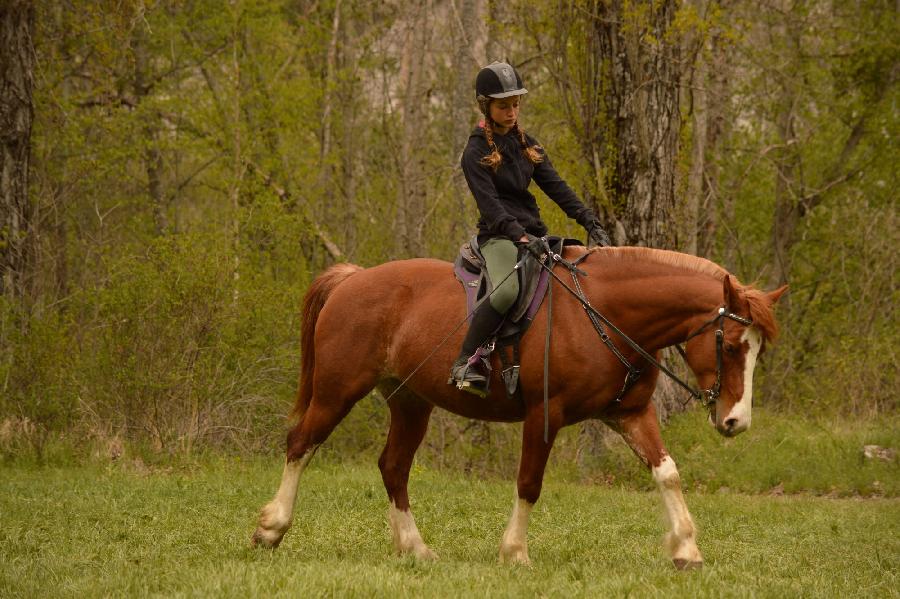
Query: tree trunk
pixel 17 62
pixel 350 125
pixel 642 101
pixel 716 208
pixel 696 92
pixel 641 104
pixel 239 166
pixel 411 190
pixel 153 165
pixel 325 184
pixel 470 43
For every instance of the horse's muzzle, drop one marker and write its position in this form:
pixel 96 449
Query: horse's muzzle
pixel 731 426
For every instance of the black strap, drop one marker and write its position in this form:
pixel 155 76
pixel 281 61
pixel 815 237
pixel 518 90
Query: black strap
pixel 547 357
pixel 641 351
pixel 633 372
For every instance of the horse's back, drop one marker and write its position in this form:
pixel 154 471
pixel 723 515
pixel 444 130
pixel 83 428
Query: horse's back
pixel 399 281
pixel 399 303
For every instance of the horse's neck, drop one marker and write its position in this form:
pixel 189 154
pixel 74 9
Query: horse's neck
pixel 657 305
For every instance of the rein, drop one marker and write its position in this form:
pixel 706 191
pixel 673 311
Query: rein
pixel 634 373
pixel 710 395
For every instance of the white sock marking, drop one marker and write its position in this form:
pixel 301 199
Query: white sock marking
pixel 276 515
pixel 680 541
pixel 514 546
pixel 405 533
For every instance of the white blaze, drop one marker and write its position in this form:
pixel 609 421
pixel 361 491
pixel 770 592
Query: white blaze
pixel 741 410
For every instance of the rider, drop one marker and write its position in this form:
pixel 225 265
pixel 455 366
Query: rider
pixel 499 162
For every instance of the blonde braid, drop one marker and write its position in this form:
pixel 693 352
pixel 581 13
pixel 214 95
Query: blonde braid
pixel 532 153
pixel 493 159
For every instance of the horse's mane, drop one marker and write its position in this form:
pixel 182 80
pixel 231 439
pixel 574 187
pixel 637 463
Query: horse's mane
pixel 760 308
pixel 677 259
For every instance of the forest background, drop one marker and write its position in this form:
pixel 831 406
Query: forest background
pixel 191 166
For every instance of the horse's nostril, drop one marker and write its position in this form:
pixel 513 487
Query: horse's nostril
pixel 730 423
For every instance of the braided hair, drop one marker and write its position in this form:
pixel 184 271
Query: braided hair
pixel 494 158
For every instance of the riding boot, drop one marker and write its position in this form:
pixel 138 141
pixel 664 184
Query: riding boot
pixel 468 377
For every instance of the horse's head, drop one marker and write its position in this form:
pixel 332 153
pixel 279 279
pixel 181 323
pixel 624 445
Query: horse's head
pixel 726 352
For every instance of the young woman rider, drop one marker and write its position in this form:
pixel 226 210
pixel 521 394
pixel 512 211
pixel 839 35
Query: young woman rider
pixel 499 163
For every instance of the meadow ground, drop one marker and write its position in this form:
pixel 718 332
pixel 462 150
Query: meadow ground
pixel 128 529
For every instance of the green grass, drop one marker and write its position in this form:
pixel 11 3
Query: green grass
pixel 124 530
pixel 780 451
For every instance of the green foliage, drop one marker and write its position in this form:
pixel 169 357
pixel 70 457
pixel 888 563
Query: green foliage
pixel 188 159
pixel 164 352
pixel 37 400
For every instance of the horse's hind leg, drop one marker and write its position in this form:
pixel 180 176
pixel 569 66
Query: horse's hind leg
pixel 324 413
pixel 409 421
pixel 641 432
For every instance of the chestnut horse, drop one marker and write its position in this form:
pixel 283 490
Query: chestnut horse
pixel 368 328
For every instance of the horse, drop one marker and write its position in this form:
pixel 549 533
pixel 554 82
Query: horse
pixel 370 328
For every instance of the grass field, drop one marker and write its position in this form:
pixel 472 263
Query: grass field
pixel 128 530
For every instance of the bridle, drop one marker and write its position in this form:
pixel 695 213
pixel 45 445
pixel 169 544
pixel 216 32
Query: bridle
pixel 712 394
pixel 633 372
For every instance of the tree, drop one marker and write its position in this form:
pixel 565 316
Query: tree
pixel 17 62
pixel 643 61
pixel 411 191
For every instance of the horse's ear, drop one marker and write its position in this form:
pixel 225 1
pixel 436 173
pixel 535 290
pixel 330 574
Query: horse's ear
pixel 731 293
pixel 774 296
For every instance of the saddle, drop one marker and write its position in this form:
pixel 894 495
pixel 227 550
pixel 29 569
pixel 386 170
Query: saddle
pixel 469 269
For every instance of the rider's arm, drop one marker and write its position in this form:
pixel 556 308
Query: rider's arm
pixel 559 191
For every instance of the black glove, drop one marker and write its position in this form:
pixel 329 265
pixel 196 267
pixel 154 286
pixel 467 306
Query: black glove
pixel 597 236
pixel 536 246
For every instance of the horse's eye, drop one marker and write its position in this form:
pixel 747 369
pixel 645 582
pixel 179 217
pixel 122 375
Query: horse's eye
pixel 730 348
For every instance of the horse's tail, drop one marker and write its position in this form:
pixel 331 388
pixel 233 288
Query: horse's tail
pixel 313 303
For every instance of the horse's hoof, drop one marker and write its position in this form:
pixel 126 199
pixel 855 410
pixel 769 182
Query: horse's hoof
pixel 425 554
pixel 515 556
pixel 265 539
pixel 684 564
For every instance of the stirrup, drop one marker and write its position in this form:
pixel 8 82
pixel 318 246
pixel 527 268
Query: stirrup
pixel 458 377
pixel 469 387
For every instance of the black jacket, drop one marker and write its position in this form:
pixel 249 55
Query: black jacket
pixel 507 208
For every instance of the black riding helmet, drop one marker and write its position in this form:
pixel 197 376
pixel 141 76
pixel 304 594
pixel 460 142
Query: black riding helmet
pixel 497 80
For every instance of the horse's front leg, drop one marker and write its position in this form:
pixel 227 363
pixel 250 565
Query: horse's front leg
pixel 533 461
pixel 641 431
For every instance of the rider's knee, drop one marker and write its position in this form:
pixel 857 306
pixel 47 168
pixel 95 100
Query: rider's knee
pixel 505 296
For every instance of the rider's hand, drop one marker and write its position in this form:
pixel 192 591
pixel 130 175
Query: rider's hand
pixel 535 245
pixel 597 236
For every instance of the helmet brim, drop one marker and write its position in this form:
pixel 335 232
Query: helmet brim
pixel 515 92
